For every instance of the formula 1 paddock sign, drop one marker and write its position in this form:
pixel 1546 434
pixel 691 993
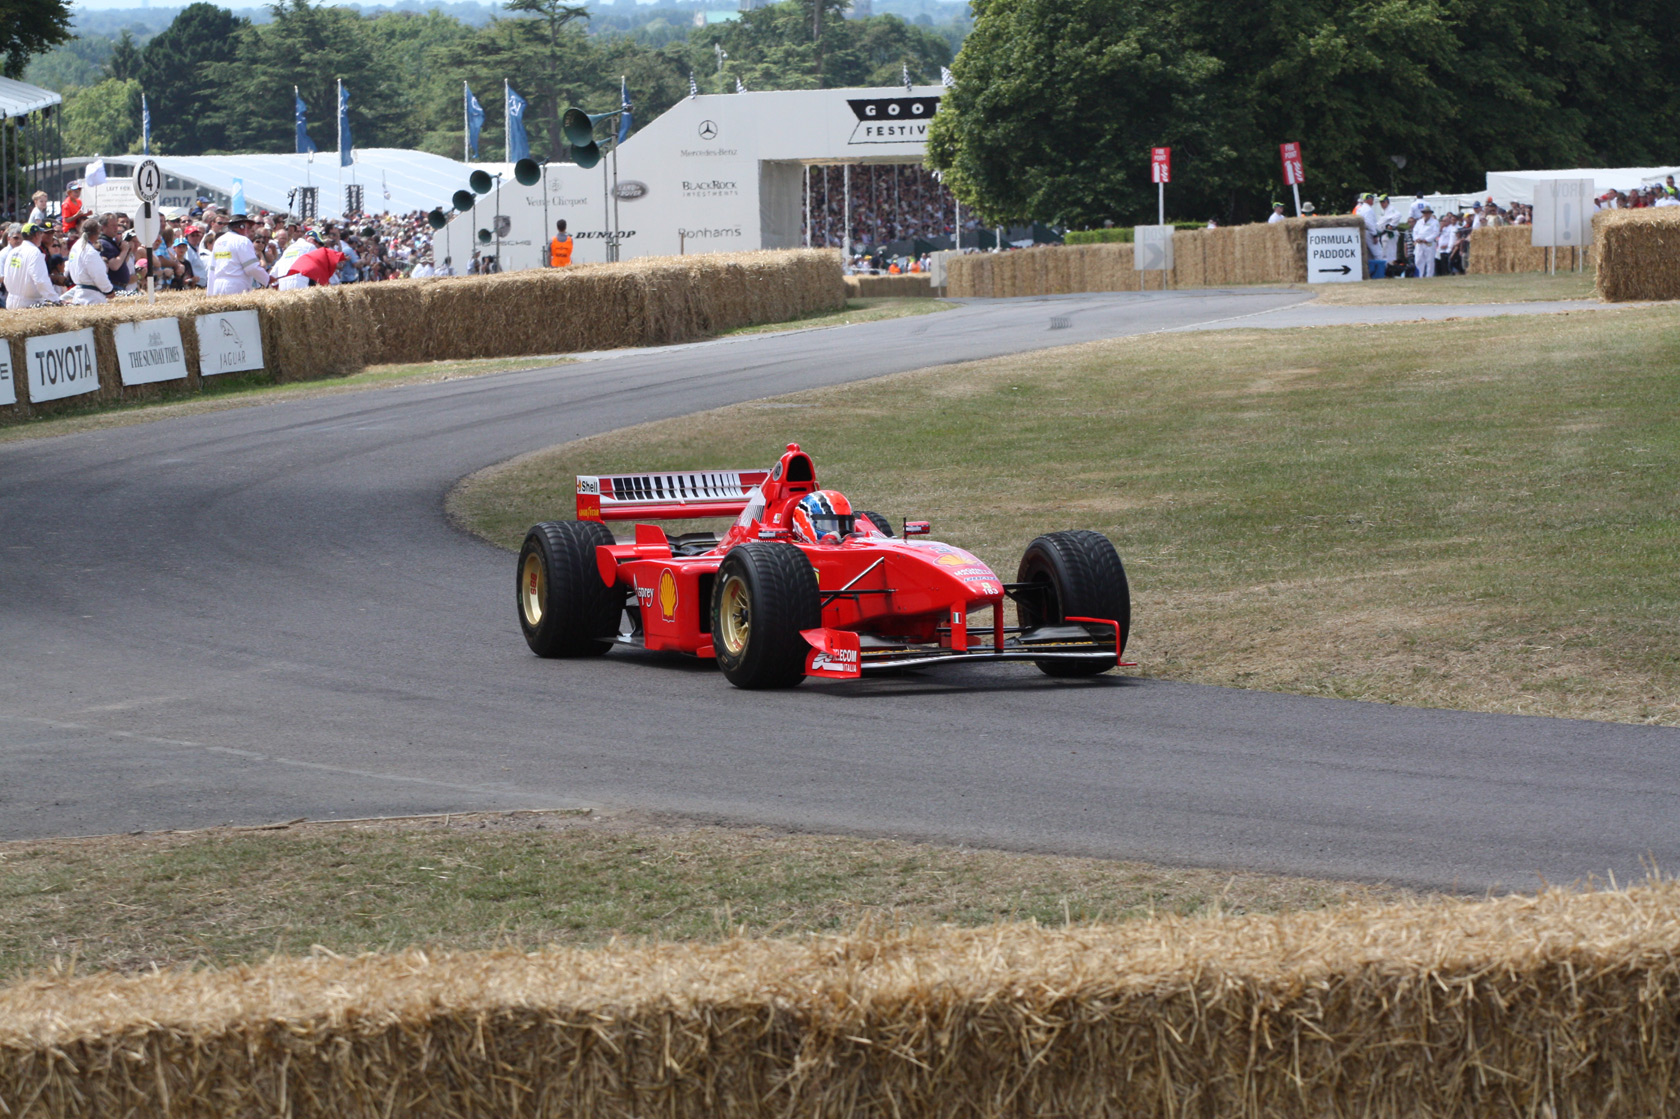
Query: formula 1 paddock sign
pixel 61 365
pixel 8 390
pixel 1333 256
pixel 150 351
pixel 230 342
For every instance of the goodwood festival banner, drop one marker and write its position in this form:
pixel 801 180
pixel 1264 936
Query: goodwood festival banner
pixel 150 351
pixel 61 365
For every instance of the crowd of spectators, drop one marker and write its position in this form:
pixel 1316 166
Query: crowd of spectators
pixel 41 259
pixel 890 202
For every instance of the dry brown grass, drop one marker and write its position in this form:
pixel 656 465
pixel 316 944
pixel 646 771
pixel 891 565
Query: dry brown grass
pixel 1639 253
pixel 332 331
pixel 1559 1005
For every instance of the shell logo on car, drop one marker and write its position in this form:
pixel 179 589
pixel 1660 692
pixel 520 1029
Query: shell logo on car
pixel 667 596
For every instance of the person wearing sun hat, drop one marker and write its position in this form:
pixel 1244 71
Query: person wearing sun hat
pixel 1426 240
pixel 28 283
pixel 234 267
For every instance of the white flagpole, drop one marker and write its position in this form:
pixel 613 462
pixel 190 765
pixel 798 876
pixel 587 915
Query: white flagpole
pixel 338 111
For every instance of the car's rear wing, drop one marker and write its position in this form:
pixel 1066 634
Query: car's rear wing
pixel 666 496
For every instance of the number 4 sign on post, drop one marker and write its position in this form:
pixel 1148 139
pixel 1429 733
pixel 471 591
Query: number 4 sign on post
pixel 1160 173
pixel 1293 173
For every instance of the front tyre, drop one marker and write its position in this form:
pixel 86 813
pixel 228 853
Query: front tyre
pixel 564 608
pixel 877 520
pixel 764 594
pixel 1082 577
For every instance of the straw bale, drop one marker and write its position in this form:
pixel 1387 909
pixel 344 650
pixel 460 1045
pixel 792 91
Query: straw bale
pixel 1638 253
pixel 1510 248
pixel 919 286
pixel 332 331
pixel 1565 1004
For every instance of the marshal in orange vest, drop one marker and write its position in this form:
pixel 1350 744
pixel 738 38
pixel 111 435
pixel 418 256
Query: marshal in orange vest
pixel 560 249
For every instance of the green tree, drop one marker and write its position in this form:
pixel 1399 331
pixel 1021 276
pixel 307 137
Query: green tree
pixel 549 74
pixel 175 71
pixel 124 62
pixel 28 28
pixel 103 119
pixel 311 47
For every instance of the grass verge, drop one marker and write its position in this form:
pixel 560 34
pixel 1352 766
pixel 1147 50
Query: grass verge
pixel 855 311
pixel 1515 287
pixel 1476 514
pixel 240 895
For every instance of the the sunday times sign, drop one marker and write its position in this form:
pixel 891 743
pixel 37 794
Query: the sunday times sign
pixel 61 365
pixel 149 351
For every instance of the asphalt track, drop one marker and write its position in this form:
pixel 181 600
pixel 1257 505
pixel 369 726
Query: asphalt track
pixel 261 614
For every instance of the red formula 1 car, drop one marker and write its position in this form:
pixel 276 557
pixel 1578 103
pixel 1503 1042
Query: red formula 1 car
pixel 801 585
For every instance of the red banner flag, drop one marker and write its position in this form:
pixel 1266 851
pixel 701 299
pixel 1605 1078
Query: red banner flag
pixel 1293 173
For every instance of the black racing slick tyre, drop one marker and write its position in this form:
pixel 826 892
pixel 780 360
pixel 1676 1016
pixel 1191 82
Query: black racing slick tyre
pixel 564 608
pixel 877 520
pixel 1082 578
pixel 764 594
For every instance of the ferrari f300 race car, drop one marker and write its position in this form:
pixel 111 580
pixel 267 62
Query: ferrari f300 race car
pixel 801 585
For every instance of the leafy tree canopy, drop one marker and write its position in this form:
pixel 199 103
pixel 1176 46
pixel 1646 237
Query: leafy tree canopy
pixel 103 119
pixel 1058 102
pixel 28 28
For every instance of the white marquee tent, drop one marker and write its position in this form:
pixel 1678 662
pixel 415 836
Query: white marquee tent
pixel 1507 187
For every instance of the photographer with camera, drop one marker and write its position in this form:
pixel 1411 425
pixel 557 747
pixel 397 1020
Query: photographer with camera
pixel 118 249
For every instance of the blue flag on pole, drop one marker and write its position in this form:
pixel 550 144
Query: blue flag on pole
pixel 145 127
pixel 623 103
pixel 345 159
pixel 305 146
pixel 236 204
pixel 475 121
pixel 518 147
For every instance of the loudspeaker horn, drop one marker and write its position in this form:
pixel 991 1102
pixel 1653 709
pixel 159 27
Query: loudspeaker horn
pixel 481 182
pixel 463 200
pixel 579 126
pixel 527 172
pixel 588 155
pixel 437 219
pixel 484 237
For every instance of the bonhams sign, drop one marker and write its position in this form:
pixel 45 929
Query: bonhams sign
pixel 892 120
pixel 61 365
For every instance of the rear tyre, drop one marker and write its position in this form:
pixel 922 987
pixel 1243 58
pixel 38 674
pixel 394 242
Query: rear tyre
pixel 564 608
pixel 877 520
pixel 1083 578
pixel 764 594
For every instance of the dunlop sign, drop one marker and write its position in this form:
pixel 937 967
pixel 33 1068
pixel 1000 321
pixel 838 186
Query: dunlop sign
pixel 230 342
pixel 149 351
pixel 61 365
pixel 8 390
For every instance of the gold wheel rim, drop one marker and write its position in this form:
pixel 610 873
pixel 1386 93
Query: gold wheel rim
pixel 533 590
pixel 735 615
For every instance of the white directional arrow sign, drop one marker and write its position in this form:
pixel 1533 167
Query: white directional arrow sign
pixel 1333 256
pixel 1152 248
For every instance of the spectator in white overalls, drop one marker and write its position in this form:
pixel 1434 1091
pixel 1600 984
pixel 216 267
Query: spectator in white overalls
pixel 88 272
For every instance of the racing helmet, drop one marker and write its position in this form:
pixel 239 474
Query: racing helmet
pixel 822 517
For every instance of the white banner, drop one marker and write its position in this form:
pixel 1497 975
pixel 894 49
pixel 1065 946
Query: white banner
pixel 1152 248
pixel 150 351
pixel 61 365
pixel 1333 256
pixel 1563 210
pixel 8 390
pixel 229 342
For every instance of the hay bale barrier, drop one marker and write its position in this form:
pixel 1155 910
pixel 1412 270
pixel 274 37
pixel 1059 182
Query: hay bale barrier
pixel 1502 249
pixel 1262 253
pixel 1561 1005
pixel 1638 254
pixel 333 331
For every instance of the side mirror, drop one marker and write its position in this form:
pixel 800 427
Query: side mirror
pixel 917 528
